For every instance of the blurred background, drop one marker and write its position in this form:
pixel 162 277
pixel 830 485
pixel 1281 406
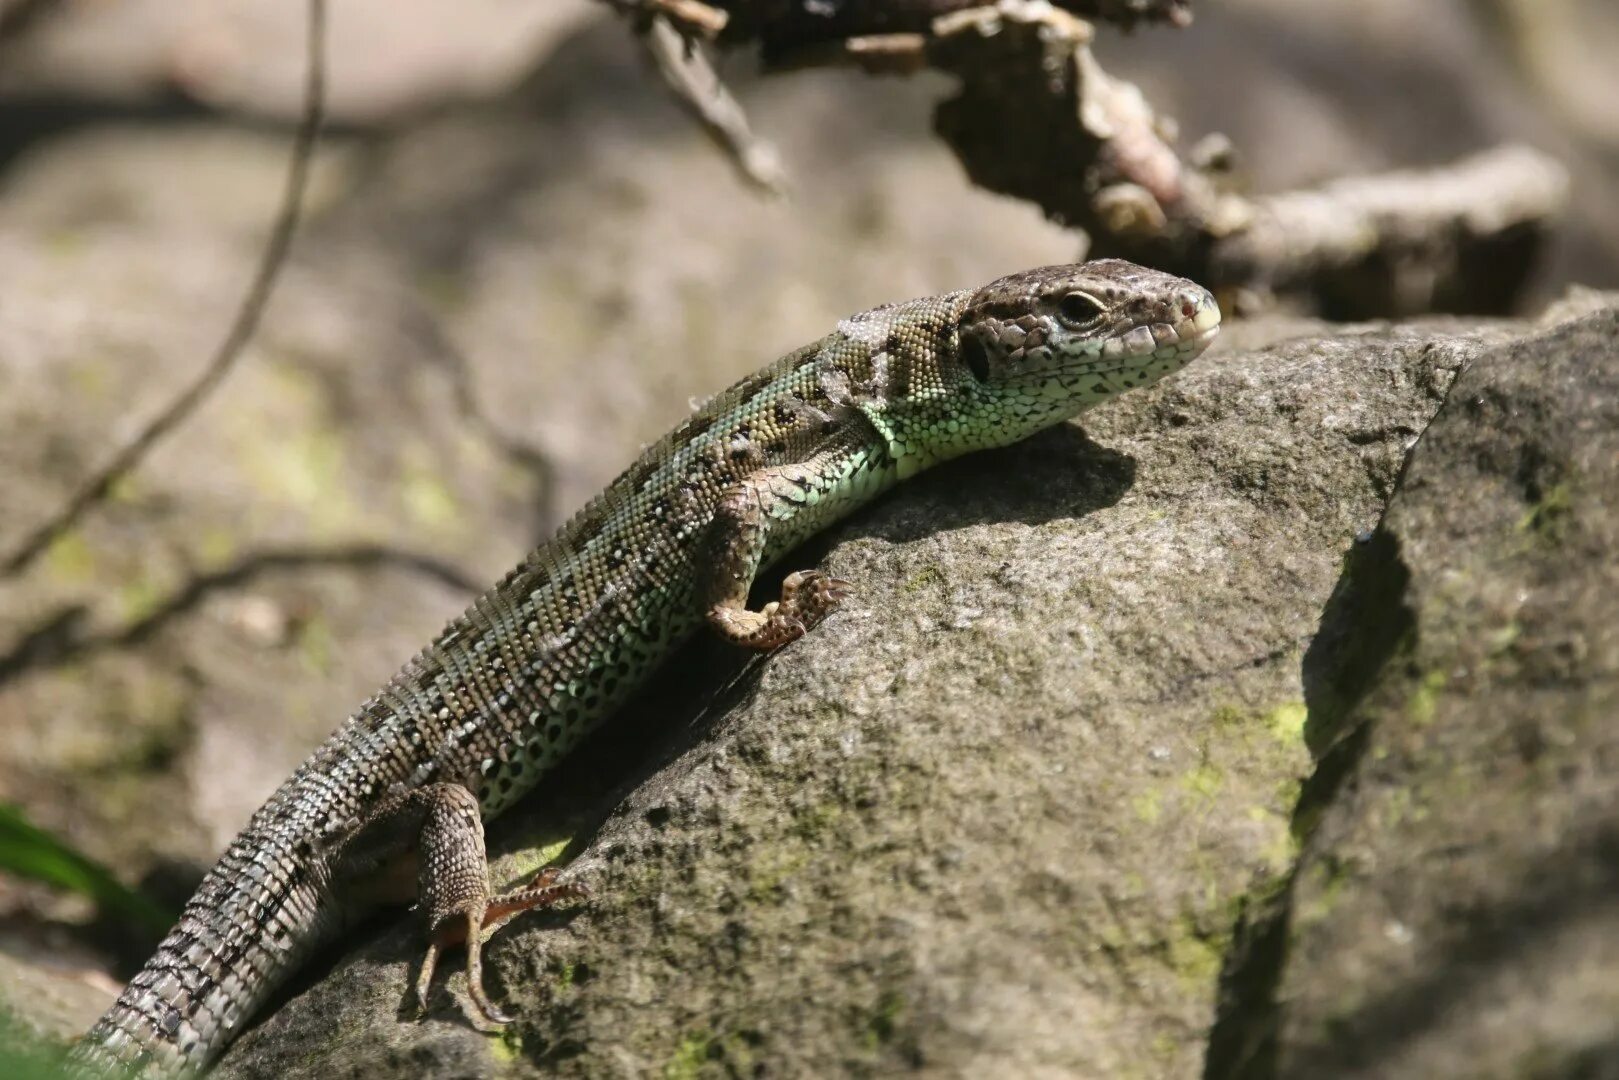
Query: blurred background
pixel 520 262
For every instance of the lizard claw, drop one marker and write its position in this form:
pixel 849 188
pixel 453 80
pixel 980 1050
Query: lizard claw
pixel 490 1012
pixel 413 1008
pixel 810 596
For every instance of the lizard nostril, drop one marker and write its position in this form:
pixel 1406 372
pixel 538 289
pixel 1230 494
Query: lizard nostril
pixel 1188 309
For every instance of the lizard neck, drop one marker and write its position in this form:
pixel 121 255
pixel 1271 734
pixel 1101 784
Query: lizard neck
pixel 925 429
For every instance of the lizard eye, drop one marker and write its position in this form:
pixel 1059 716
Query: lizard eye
pixel 1078 308
pixel 975 356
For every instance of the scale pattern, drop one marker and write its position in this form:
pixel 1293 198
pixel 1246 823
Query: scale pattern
pixel 510 687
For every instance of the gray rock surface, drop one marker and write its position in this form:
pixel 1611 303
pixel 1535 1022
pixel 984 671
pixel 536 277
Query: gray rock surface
pixel 1006 811
pixel 1452 913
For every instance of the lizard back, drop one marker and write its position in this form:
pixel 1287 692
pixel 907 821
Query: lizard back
pixel 511 686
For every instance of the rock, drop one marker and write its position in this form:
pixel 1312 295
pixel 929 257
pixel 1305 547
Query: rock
pixel 1005 811
pixel 1452 911
pixel 474 334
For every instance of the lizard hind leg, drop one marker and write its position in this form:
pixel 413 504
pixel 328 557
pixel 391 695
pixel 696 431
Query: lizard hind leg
pixel 465 922
pixel 542 892
pixel 437 828
pixel 453 887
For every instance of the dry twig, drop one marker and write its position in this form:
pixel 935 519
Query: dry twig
pixel 1037 117
pixel 96 487
pixel 690 75
pixel 791 32
pixel 673 34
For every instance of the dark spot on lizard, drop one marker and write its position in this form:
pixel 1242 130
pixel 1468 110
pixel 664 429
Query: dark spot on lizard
pixel 696 426
pixel 750 388
pixel 635 478
pixel 588 526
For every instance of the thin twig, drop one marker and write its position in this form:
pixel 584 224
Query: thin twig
pixel 797 33
pixel 95 488
pixel 690 75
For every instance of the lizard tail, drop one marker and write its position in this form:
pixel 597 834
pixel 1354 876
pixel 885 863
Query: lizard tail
pixel 255 918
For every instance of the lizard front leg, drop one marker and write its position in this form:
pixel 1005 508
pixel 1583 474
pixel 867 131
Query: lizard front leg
pixel 436 830
pixel 736 545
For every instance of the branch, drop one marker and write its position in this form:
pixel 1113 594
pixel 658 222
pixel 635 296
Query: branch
pixel 62 635
pixel 1461 238
pixel 790 31
pixel 673 33
pixel 1037 117
pixel 689 74
pixel 95 488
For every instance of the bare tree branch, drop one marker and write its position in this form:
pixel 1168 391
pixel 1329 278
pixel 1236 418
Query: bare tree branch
pixel 63 634
pixel 248 314
pixel 693 18
pixel 1037 117
pixel 787 28
pixel 690 75
pixel 798 32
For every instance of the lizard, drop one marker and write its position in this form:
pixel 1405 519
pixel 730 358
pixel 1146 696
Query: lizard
pixel 391 807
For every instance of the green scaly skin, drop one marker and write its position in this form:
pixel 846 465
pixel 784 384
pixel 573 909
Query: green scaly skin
pixel 391 806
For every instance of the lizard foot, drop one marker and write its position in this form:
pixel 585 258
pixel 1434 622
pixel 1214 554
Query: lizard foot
pixel 810 596
pixel 467 924
pixel 807 597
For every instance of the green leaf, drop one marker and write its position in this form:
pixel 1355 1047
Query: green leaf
pixel 30 852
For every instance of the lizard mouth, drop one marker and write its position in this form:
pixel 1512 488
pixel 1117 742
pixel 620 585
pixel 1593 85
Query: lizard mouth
pixel 1201 328
pixel 1185 338
pixel 1147 353
pixel 1200 339
pixel 1181 340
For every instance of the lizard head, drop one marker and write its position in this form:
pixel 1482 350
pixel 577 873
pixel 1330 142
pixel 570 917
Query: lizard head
pixel 1060 339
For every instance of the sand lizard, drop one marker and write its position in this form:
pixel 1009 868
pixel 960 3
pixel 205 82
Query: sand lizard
pixel 392 805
